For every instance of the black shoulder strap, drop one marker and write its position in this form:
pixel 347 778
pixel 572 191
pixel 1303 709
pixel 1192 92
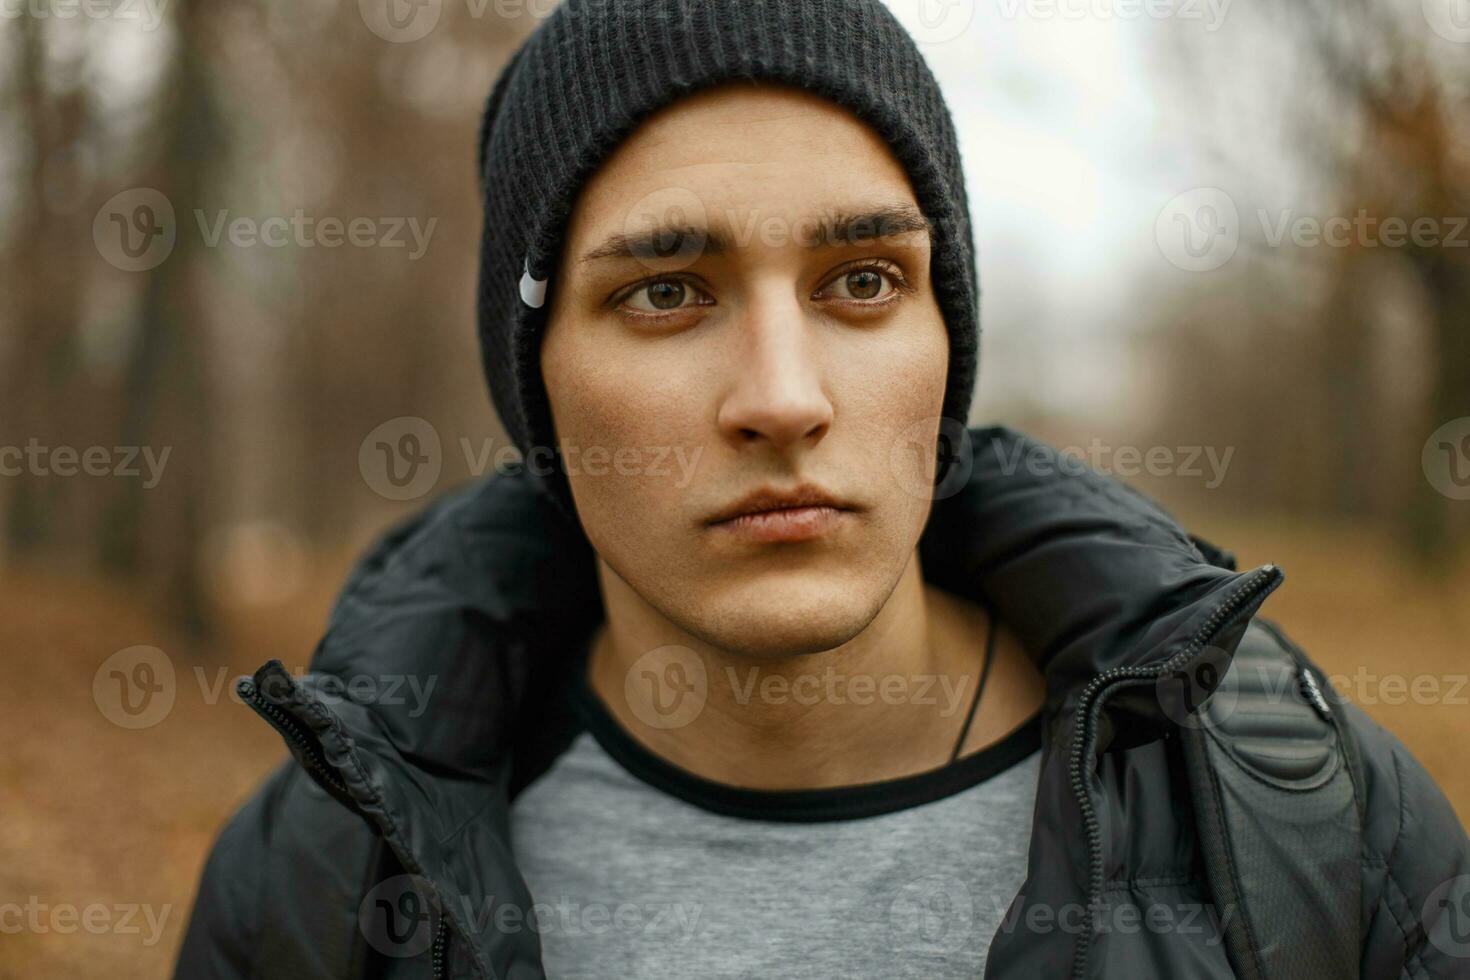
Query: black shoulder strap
pixel 1277 799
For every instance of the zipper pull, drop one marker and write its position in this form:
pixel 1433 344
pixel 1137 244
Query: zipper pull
pixel 1313 693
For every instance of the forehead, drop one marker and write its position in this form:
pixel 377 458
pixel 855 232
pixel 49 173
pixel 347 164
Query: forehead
pixel 736 152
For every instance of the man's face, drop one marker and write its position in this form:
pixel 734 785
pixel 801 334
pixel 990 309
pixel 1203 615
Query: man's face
pixel 706 366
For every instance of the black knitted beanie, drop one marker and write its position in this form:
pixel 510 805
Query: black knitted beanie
pixel 594 69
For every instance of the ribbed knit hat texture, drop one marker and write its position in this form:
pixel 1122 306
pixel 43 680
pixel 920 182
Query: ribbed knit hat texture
pixel 594 69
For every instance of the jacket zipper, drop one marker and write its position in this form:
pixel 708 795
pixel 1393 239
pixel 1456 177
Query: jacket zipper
pixel 1092 697
pixel 291 730
pixel 441 949
pixel 296 734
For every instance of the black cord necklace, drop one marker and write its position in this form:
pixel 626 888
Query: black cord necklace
pixel 980 686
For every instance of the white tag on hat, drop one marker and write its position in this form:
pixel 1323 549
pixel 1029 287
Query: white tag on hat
pixel 533 291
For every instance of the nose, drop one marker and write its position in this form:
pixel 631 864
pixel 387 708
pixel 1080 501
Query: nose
pixel 777 394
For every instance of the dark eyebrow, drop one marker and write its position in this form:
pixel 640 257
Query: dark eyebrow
pixel 859 229
pixel 827 231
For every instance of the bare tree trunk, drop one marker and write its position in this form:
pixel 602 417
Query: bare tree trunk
pixel 156 533
pixel 42 362
pixel 1432 522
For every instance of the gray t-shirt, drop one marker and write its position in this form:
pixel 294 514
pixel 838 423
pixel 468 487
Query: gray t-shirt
pixel 640 870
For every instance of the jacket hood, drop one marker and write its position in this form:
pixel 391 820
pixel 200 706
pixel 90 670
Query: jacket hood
pixel 478 600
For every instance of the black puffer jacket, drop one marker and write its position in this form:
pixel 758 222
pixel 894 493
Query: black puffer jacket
pixel 392 808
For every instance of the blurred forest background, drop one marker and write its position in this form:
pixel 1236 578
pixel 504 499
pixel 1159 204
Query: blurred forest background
pixel 1334 379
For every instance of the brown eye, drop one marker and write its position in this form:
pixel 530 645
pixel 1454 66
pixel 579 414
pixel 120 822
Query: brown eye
pixel 873 285
pixel 663 295
pixel 864 284
pixel 666 295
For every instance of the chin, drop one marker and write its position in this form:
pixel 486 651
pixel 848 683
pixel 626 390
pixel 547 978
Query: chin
pixel 792 620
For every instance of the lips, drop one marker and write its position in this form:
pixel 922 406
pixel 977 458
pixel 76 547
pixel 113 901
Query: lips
pixel 771 498
pixel 796 514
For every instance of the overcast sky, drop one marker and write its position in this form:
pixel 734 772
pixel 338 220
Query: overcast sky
pixel 1078 125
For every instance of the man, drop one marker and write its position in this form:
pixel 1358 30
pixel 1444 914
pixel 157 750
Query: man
pixel 763 665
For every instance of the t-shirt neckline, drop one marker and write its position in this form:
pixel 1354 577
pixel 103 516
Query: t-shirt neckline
pixel 801 805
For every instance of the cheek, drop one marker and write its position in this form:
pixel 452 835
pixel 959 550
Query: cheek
pixel 897 370
pixel 588 394
pixel 915 373
pixel 627 432
pixel 894 395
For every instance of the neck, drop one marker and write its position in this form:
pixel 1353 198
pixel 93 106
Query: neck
pixel 890 702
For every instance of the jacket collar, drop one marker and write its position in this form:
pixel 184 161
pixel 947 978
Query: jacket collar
pixel 1090 574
